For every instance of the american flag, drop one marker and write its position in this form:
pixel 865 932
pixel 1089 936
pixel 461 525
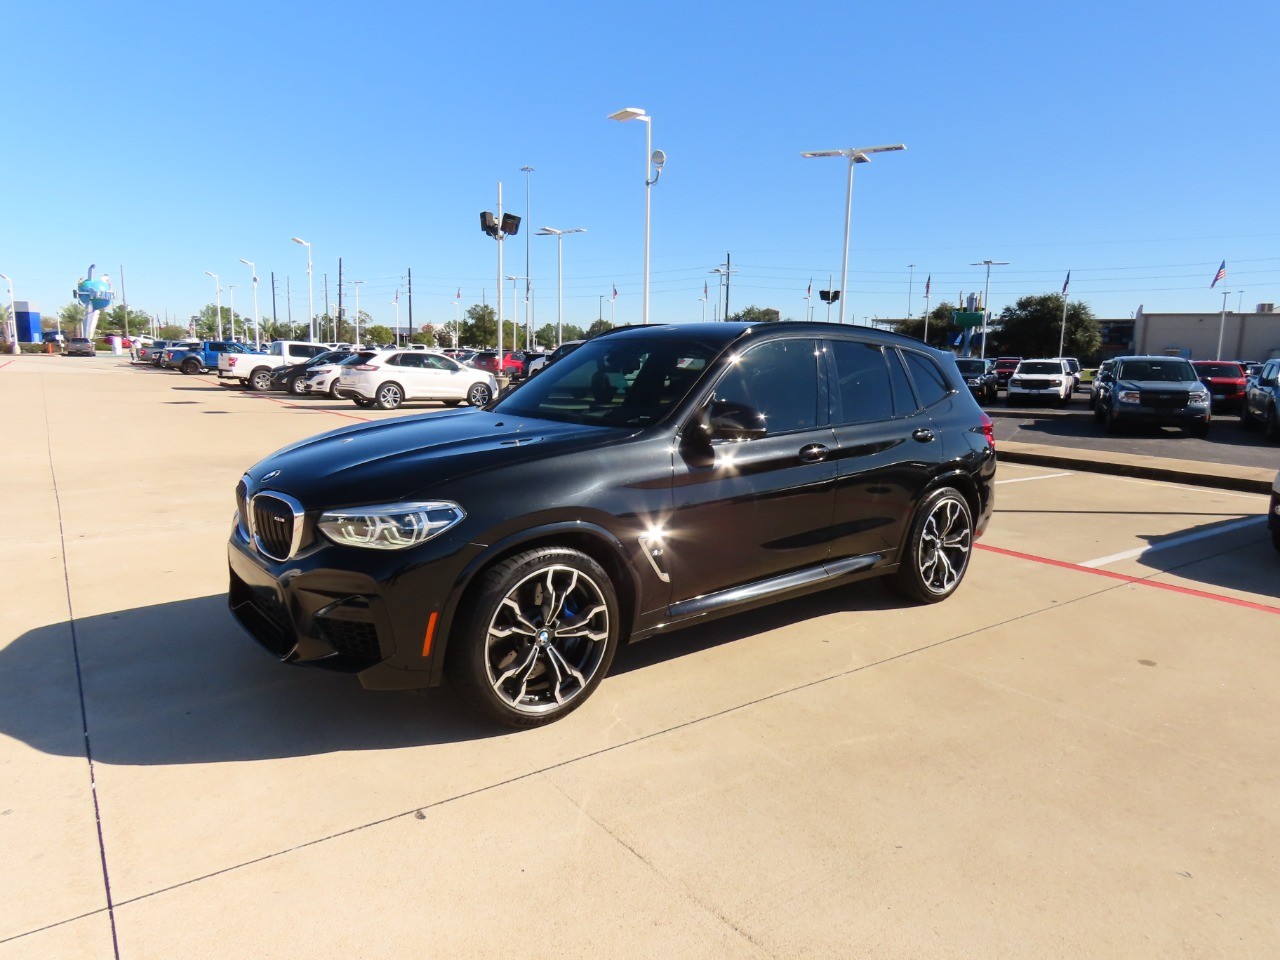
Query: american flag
pixel 459 296
pixel 927 284
pixel 615 291
pixel 1220 275
pixel 808 294
pixel 1066 282
pixel 704 290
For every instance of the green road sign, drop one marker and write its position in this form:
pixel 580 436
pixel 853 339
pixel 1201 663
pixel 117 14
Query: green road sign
pixel 962 319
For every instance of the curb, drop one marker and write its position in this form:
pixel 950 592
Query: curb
pixel 1240 479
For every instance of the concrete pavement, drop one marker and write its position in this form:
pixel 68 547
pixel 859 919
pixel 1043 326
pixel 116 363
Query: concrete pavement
pixel 1069 758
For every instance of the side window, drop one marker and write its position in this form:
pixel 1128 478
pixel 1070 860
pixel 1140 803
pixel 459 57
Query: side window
pixel 395 360
pixel 276 349
pixel 930 383
pixel 904 398
pixel 415 360
pixel 780 380
pixel 434 361
pixel 862 387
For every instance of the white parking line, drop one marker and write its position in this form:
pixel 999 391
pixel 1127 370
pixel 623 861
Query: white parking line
pixel 1043 476
pixel 1174 542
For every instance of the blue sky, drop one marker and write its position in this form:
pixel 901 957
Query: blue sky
pixel 1135 146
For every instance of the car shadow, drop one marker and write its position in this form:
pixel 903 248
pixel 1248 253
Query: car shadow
pixel 1242 559
pixel 181 683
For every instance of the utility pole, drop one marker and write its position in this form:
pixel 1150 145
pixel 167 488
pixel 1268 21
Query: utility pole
pixel 337 324
pixel 124 300
pixel 273 299
pixel 288 303
pixel 410 301
pixel 728 271
pixel 326 296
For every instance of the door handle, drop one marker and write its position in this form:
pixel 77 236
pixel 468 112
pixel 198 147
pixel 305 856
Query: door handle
pixel 923 434
pixel 813 453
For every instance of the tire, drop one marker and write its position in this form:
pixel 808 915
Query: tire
pixel 451 403
pixel 260 380
pixel 298 386
pixel 936 554
pixel 517 656
pixel 190 367
pixel 389 396
pixel 1098 415
pixel 333 390
pixel 1272 429
pixel 478 394
pixel 1109 424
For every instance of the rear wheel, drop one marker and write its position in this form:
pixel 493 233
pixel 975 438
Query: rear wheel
pixel 190 366
pixel 260 380
pixel 389 396
pixel 937 551
pixel 540 634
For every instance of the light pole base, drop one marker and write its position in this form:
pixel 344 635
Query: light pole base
pixel 503 383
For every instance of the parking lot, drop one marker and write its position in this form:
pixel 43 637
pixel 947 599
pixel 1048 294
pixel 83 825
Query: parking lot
pixel 1071 757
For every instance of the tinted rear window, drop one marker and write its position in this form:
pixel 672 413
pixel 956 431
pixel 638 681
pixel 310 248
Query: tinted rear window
pixel 862 382
pixel 1040 369
pixel 1219 370
pixel 931 383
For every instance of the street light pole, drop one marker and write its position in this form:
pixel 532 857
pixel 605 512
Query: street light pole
pixel 218 293
pixel 910 284
pixel 515 313
pixel 986 301
pixel 257 331
pixel 528 274
pixel 653 163
pixel 231 308
pixel 311 293
pixel 355 340
pixel 854 155
pixel 559 235
pixel 11 326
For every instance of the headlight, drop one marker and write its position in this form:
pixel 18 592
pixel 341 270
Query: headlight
pixel 1129 396
pixel 390 526
pixel 1198 396
pixel 1055 381
pixel 1015 380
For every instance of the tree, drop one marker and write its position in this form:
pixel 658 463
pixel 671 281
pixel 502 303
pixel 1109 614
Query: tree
pixel 70 317
pixel 171 331
pixel 941 332
pixel 379 334
pixel 757 315
pixel 480 325
pixel 1033 326
pixel 597 328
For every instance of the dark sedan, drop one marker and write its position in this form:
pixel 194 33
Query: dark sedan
pixel 657 477
pixel 292 377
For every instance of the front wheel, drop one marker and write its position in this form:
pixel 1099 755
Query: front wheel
pixel 298 386
pixel 540 634
pixel 479 394
pixel 937 550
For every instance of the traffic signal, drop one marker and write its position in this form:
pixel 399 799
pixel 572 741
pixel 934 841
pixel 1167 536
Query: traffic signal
pixel 510 224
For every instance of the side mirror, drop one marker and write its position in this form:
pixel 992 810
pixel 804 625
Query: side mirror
pixel 734 421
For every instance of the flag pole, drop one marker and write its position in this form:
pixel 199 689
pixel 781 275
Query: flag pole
pixel 926 310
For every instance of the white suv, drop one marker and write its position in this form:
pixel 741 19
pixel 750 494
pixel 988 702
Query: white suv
pixel 1045 380
pixel 389 379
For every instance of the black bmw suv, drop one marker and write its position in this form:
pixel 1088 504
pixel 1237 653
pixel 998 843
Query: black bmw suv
pixel 657 476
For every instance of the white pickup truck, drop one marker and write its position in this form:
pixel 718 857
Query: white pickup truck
pixel 254 370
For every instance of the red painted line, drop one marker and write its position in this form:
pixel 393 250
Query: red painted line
pixel 5 364
pixel 1137 581
pixel 294 406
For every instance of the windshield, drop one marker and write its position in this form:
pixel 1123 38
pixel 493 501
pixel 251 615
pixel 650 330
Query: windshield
pixel 970 367
pixel 1219 370
pixel 1042 367
pixel 1162 371
pixel 613 382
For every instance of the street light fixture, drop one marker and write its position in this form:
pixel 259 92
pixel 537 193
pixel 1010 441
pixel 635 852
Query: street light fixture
pixel 654 160
pixel 559 235
pixel 311 292
pixel 986 294
pixel 854 155
pixel 257 334
pixel 218 285
pixel 11 327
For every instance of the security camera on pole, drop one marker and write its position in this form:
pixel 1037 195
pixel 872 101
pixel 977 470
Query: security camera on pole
pixel 500 227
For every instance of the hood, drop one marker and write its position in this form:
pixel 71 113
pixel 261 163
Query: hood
pixel 406 457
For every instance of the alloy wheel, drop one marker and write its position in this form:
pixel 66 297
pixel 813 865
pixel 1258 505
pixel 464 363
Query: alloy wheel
pixel 389 396
pixel 945 539
pixel 547 640
pixel 478 395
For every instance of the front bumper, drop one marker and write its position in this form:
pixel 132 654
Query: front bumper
pixel 369 618
pixel 1190 415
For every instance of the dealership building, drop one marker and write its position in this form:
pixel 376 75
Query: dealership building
pixel 1196 336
